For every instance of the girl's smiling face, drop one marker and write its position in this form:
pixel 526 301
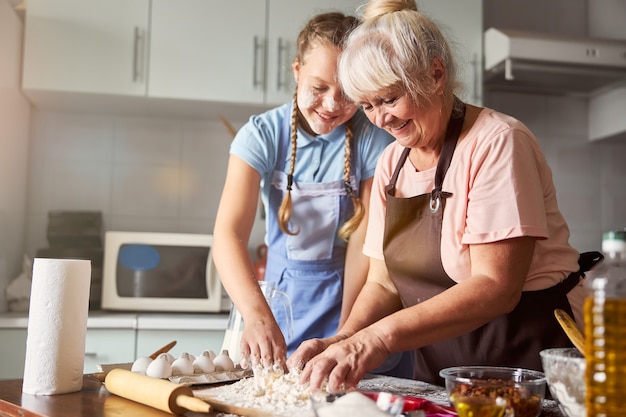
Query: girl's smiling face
pixel 320 97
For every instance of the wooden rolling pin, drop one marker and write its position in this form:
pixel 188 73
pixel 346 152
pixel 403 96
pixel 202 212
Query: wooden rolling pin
pixel 154 392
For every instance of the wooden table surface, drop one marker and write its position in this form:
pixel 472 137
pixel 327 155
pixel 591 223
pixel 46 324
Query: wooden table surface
pixel 95 401
pixel 92 401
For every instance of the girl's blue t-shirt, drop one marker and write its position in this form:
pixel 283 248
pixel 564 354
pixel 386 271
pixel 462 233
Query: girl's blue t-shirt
pixel 318 158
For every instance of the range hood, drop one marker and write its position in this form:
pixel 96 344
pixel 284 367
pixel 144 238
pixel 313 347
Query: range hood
pixel 551 64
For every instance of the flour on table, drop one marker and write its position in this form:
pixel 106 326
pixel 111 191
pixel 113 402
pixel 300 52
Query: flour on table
pixel 268 390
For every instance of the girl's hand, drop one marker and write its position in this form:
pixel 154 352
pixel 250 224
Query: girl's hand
pixel 263 344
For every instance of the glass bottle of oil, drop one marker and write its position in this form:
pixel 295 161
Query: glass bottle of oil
pixel 605 331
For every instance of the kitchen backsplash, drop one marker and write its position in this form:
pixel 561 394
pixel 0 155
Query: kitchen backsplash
pixel 155 174
pixel 142 173
pixel 590 177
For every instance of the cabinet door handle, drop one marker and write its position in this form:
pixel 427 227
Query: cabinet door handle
pixel 476 66
pixel 281 72
pixel 138 55
pixel 257 49
pixel 91 355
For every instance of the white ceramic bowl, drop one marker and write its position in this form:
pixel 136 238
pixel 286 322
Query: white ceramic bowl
pixel 565 372
pixel 357 404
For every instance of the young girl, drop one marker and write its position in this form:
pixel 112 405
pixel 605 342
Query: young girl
pixel 312 160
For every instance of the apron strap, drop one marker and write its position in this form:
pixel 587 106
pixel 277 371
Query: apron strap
pixel 391 187
pixel 449 144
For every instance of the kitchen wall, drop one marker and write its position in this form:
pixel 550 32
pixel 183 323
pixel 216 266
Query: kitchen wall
pixel 166 174
pixel 143 173
pixel 590 178
pixel 14 122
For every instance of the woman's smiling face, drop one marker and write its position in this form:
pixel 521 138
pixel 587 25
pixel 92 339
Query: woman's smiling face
pixel 411 124
pixel 320 97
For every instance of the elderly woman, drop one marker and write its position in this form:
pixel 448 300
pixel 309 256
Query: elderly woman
pixel 469 253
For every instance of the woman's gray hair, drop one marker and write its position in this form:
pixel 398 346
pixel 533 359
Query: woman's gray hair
pixel 394 47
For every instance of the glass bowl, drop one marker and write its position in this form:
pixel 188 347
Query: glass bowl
pixel 522 389
pixel 565 373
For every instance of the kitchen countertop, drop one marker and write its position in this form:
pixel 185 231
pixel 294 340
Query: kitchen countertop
pixel 95 401
pixel 100 319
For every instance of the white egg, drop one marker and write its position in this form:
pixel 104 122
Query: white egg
pixel 160 367
pixel 223 362
pixel 170 358
pixel 212 354
pixel 203 363
pixel 182 365
pixel 141 364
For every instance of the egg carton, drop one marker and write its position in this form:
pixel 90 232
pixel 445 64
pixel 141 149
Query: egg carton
pixel 210 378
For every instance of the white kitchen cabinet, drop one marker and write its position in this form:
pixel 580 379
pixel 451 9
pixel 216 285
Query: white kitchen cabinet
pixel 13 353
pixel 285 19
pixel 229 50
pixel 104 346
pixel 208 50
pixel 86 46
pixel 462 23
pixel 193 333
pixel 189 341
pixel 237 51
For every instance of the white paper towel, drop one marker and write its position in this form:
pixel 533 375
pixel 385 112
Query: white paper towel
pixel 57 326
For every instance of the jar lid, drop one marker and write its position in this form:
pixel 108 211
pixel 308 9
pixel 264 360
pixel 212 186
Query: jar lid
pixel 614 235
pixel 614 241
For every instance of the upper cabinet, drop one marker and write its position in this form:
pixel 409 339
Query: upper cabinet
pixel 462 23
pixel 236 51
pixel 229 50
pixel 208 50
pixel 222 51
pixel 87 47
pixel 285 19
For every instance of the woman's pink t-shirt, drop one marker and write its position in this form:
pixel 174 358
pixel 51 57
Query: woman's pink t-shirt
pixel 502 188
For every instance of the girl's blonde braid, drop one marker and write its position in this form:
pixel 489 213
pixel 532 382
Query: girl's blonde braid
pixel 359 211
pixel 284 212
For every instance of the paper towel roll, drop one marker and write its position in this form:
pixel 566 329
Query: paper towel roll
pixel 57 326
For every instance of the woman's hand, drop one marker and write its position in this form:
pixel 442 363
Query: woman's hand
pixel 344 363
pixel 309 349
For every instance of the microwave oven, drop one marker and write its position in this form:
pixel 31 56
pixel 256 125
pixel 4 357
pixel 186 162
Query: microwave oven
pixel 164 272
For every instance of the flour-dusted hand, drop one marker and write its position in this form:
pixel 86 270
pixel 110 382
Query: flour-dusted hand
pixel 263 344
pixel 343 364
pixel 307 350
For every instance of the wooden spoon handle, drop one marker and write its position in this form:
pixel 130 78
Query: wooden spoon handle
pixel 571 330
pixel 164 349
